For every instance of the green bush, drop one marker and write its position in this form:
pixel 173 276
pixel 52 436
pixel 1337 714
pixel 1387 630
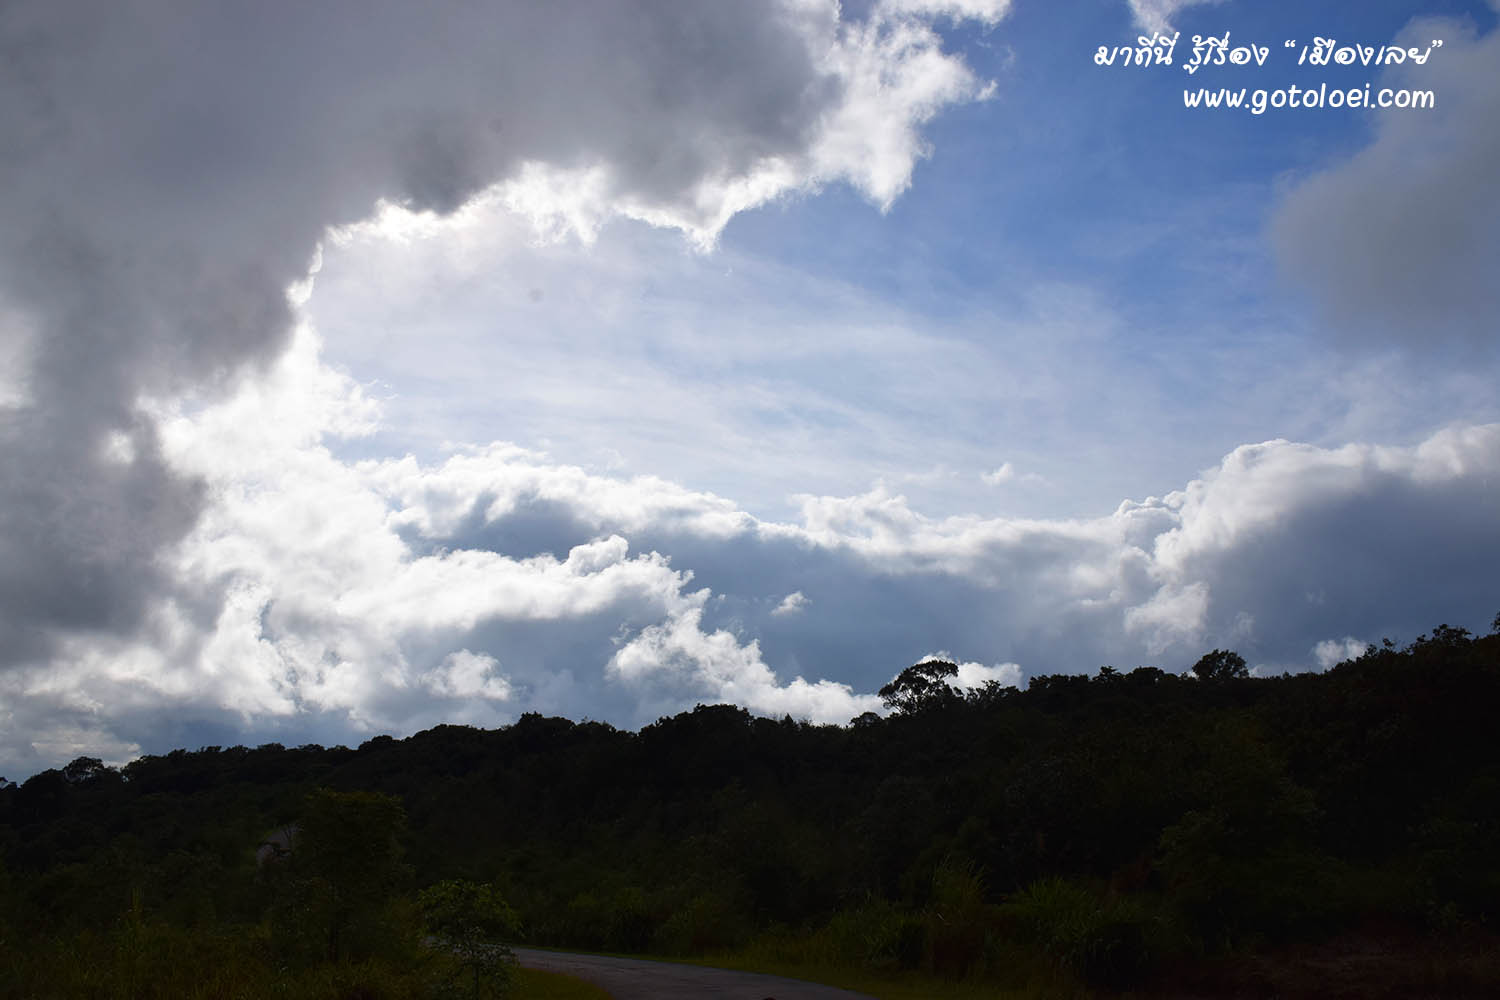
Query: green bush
pixel 144 959
pixel 876 935
pixel 1229 894
pixel 1110 942
pixel 707 921
pixel 472 922
pixel 584 922
pixel 957 919
pixel 334 896
pixel 631 922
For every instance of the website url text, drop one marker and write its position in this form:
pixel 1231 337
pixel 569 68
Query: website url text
pixel 1257 102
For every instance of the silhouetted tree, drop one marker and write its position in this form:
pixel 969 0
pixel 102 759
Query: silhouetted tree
pixel 1221 665
pixel 922 685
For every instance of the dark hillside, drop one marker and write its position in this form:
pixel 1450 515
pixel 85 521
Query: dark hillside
pixel 1124 826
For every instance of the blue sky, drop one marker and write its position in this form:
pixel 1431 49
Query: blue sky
pixel 603 359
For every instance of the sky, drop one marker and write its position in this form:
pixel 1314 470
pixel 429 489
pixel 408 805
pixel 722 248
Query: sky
pixel 366 366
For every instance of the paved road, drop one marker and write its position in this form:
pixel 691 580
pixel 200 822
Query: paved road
pixel 638 979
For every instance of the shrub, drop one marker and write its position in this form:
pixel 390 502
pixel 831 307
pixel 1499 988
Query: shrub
pixel 472 922
pixel 877 935
pixel 1106 942
pixel 708 921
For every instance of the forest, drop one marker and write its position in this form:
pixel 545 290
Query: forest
pixel 1128 831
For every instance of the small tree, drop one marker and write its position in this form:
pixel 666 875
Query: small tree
pixel 343 868
pixel 1221 665
pixel 922 685
pixel 472 921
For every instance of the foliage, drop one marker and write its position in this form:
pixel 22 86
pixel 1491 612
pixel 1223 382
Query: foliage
pixel 1114 824
pixel 142 958
pixel 1106 942
pixel 1221 665
pixel 473 922
pixel 707 920
pixel 334 893
pixel 921 686
pixel 876 935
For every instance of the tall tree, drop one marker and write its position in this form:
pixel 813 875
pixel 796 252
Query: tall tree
pixel 1221 665
pixel 922 685
pixel 344 866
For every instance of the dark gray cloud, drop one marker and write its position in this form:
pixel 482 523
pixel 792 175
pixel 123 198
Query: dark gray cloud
pixel 1399 241
pixel 168 169
pixel 1327 564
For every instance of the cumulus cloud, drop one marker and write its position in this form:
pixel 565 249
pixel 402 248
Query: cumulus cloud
pixel 1007 474
pixel 791 604
pixel 464 674
pixel 1175 614
pixel 977 675
pixel 357 595
pixel 1331 652
pixel 171 169
pixel 721 668
pixel 1004 474
pixel 349 598
pixel 1395 242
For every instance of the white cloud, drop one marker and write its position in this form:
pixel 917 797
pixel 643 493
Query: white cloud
pixel 974 675
pixel 332 603
pixel 500 477
pixel 793 603
pixel 890 76
pixel 342 596
pixel 1258 486
pixel 464 674
pixel 1331 652
pixel 718 666
pixel 70 743
pixel 1004 474
pixel 977 675
pixel 1174 614
pixel 896 78
pixel 1007 473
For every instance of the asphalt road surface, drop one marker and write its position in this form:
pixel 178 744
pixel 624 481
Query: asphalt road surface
pixel 638 979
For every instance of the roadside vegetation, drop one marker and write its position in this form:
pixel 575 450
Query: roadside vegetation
pixel 1126 831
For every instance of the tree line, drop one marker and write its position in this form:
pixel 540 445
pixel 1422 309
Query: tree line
pixel 1119 829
